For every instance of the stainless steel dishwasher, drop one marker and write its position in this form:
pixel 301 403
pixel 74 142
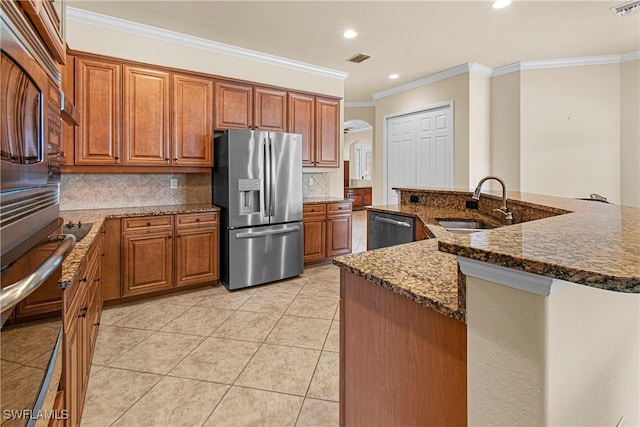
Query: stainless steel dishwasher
pixel 387 229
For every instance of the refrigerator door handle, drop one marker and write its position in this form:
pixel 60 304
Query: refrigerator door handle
pixel 251 234
pixel 272 191
pixel 265 198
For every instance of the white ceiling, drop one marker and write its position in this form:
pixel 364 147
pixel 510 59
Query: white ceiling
pixel 411 38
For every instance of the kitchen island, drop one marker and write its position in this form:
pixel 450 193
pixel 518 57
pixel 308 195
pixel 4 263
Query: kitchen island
pixel 535 324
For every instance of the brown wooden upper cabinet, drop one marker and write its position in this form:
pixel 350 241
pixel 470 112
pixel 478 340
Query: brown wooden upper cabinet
pixel 234 105
pixel 146 117
pixel 270 109
pixel 318 120
pixel 192 121
pixel 98 87
pixel 244 106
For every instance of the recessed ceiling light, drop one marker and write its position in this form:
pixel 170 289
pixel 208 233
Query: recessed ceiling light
pixel 500 4
pixel 349 34
pixel 393 76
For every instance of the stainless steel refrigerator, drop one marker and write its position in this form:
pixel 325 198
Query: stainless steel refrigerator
pixel 257 183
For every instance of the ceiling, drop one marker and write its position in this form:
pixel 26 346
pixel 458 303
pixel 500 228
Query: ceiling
pixel 411 38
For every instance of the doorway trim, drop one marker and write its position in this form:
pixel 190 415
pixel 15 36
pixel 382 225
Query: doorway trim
pixel 385 144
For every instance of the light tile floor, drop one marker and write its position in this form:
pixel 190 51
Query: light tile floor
pixel 264 356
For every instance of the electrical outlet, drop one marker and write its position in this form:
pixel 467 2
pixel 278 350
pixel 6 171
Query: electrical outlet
pixel 414 198
pixel 173 183
pixel 471 204
pixel 311 182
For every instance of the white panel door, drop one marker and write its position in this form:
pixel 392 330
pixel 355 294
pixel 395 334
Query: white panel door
pixel 401 165
pixel 434 149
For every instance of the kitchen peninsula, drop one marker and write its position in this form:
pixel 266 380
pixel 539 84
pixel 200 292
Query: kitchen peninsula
pixel 530 324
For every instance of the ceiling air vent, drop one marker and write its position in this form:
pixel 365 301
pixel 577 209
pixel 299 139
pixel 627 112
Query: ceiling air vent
pixel 360 57
pixel 626 8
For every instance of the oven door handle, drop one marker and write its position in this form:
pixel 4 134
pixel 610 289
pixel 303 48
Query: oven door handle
pixel 13 294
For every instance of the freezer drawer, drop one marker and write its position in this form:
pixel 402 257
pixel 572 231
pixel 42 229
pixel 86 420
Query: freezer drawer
pixel 264 254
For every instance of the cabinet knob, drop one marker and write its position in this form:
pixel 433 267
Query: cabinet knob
pixel 82 315
pixel 117 158
pixel 148 224
pixel 167 159
pixel 96 324
pixel 197 219
pixel 169 237
pixel 84 279
pixel 175 160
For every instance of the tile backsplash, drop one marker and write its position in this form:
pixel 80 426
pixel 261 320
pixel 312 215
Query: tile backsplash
pixel 100 191
pixel 315 184
pixel 96 191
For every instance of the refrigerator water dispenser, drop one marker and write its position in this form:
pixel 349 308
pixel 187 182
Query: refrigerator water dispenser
pixel 248 196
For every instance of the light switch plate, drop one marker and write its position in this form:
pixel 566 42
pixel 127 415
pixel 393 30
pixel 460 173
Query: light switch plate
pixel 173 183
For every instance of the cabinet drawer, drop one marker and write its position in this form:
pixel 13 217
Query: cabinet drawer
pixel 197 219
pixel 147 223
pixel 338 208
pixel 315 210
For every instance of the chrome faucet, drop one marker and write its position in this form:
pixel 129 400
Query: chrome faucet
pixel 506 218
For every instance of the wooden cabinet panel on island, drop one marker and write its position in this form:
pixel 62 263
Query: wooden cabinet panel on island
pixel 146 117
pixel 192 121
pixel 98 93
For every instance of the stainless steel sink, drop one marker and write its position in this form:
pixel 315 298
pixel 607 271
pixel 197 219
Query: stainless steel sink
pixel 464 226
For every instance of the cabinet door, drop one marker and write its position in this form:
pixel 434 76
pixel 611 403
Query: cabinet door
pixel 301 119
pixel 76 364
pixel 192 133
pixel 327 132
pixel 270 109
pixel 47 298
pixel 338 234
pixel 234 105
pixel 98 99
pixel 196 256
pixel 367 197
pixel 314 240
pixel 147 262
pixel 146 117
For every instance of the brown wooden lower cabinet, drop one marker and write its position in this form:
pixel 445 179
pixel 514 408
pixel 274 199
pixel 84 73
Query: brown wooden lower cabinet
pixel 147 262
pixel 196 255
pixel 401 363
pixel 82 304
pixel 361 196
pixel 159 253
pixel 327 231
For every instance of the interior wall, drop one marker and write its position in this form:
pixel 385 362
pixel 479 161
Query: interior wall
pixel 454 88
pixel 570 131
pixel 105 41
pixel 479 128
pixel 505 129
pixel 630 133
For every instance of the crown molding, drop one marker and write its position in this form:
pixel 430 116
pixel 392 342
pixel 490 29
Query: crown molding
pixel 631 56
pixel 357 104
pixel 122 25
pixel 451 72
pixel 480 69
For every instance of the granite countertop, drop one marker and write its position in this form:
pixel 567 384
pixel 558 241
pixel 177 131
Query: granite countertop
pixel 589 243
pixel 97 216
pixel 324 199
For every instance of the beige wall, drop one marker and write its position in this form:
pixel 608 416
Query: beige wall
pixel 454 89
pixel 479 127
pixel 89 38
pixel 505 129
pixel 570 131
pixel 630 133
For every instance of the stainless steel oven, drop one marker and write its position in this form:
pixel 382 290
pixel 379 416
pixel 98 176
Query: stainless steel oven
pixel 31 248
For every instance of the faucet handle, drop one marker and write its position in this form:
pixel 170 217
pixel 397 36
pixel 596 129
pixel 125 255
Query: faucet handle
pixel 506 217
